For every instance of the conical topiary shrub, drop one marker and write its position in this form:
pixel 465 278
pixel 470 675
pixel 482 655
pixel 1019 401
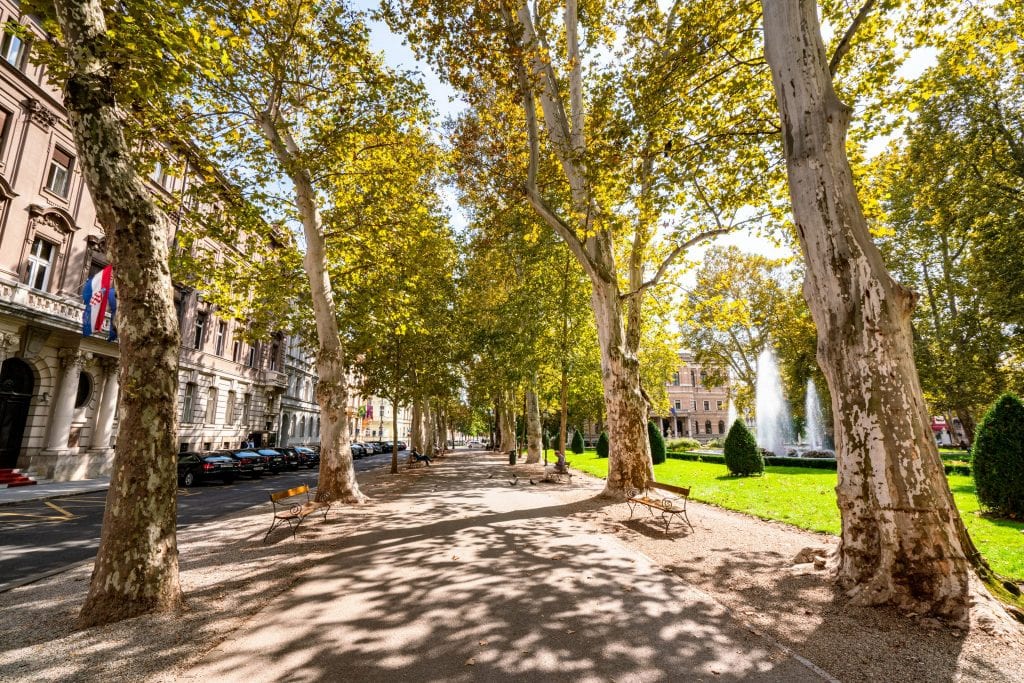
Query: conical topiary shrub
pixel 742 456
pixel 602 445
pixel 998 462
pixel 657 443
pixel 577 442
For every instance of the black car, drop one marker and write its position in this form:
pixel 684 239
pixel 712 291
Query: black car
pixel 194 468
pixel 402 446
pixel 291 456
pixel 250 463
pixel 307 457
pixel 360 450
pixel 278 462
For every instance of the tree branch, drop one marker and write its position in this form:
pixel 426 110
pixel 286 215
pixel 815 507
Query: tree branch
pixel 675 253
pixel 844 45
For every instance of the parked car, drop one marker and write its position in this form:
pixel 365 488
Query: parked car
pixel 291 456
pixel 194 468
pixel 251 463
pixel 475 444
pixel 357 450
pixel 307 457
pixel 276 460
pixel 402 446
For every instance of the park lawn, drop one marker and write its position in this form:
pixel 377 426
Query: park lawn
pixel 806 498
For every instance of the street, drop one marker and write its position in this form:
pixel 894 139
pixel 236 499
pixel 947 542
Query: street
pixel 46 535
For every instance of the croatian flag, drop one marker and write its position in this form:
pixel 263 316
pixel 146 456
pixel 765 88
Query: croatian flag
pixel 98 295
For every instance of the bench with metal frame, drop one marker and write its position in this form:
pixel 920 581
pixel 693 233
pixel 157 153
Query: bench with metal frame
pixel 293 513
pixel 668 500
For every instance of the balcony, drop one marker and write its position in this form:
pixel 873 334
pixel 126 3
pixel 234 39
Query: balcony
pixel 273 378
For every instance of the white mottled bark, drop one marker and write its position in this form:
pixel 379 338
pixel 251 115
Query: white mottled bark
pixel 337 471
pixel 534 437
pixel 136 568
pixel 903 542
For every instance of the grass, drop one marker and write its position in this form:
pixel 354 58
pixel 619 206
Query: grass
pixel 806 498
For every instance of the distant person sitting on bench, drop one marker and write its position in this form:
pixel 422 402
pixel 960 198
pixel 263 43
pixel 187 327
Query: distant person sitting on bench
pixel 560 466
pixel 420 457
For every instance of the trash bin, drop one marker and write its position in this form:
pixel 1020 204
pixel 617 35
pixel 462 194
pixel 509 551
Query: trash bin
pixel 511 457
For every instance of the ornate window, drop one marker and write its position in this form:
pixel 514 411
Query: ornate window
pixel 188 405
pixel 58 177
pixel 40 264
pixel 230 409
pixel 211 406
pixel 246 407
pixel 707 426
pixel 14 48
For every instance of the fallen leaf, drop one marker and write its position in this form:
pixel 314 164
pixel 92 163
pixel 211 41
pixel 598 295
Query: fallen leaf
pixel 483 642
pixel 470 662
pixel 455 557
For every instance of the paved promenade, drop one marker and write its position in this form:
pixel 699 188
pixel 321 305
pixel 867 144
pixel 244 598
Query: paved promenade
pixel 466 578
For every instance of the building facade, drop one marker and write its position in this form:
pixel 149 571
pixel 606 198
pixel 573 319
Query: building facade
pixel 58 389
pixel 695 409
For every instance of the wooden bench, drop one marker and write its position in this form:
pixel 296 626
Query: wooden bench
pixel 293 513
pixel 668 500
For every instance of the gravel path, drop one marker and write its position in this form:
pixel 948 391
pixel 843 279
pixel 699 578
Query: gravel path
pixel 737 562
pixel 747 564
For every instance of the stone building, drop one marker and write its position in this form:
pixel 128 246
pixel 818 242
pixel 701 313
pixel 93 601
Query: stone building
pixel 58 389
pixel 695 410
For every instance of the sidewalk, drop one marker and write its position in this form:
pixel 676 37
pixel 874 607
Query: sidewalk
pixel 468 578
pixel 47 489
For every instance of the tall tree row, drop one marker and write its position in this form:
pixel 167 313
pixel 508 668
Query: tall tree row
pixel 617 160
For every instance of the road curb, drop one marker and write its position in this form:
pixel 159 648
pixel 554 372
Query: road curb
pixel 51 496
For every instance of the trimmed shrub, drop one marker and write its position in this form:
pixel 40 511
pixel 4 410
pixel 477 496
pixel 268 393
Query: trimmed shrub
pixel 602 445
pixel 998 457
pixel 657 443
pixel 577 442
pixel 713 443
pixel 742 456
pixel 683 444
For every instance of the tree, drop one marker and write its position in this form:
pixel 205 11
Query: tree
pixel 742 455
pixel 903 542
pixel 739 305
pixel 295 98
pixel 577 442
pixel 110 64
pixel 998 457
pixel 952 193
pixel 603 178
pixel 657 443
pixel 397 277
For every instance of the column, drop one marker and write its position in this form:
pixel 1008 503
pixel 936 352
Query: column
pixel 71 360
pixel 103 427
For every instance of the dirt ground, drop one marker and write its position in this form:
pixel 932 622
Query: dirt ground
pixel 743 562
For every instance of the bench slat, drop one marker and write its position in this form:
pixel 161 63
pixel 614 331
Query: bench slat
pixel 280 495
pixel 683 491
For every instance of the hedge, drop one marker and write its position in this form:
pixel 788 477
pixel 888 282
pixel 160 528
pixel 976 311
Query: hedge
pixel 809 463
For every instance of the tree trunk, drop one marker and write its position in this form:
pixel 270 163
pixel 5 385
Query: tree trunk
pixel 394 432
pixel 629 451
pixel 416 439
pixel 563 421
pixel 967 423
pixel 337 481
pixel 136 568
pixel 534 438
pixel 903 542
pixel 507 425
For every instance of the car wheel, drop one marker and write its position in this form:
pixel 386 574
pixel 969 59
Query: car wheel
pixel 189 479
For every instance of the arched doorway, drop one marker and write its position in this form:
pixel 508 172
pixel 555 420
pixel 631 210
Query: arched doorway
pixel 16 384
